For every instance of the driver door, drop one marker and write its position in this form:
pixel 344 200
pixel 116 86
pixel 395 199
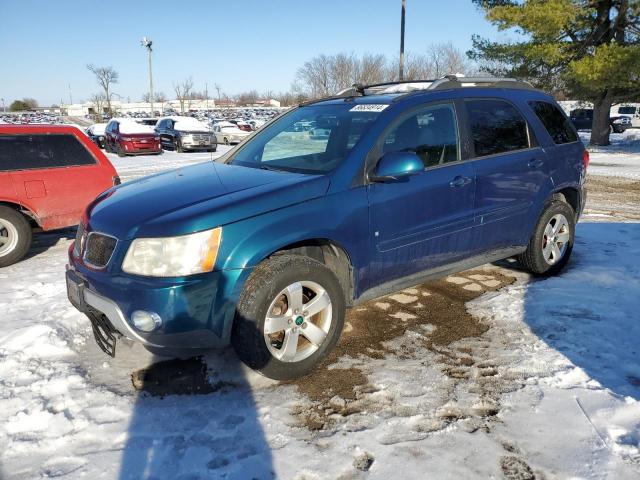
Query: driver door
pixel 424 221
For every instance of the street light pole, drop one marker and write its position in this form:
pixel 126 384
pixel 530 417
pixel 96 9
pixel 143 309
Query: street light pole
pixel 147 43
pixel 401 73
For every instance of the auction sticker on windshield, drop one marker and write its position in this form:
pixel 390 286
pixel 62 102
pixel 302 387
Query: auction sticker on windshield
pixel 374 107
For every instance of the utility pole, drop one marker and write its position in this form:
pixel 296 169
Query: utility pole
pixel 206 94
pixel 401 73
pixel 70 96
pixel 147 43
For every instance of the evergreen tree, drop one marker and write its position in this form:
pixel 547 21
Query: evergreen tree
pixel 589 49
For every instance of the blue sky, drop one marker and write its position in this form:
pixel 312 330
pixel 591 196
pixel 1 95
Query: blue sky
pixel 46 45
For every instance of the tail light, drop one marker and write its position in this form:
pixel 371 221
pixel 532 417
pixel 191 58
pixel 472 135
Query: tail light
pixel 585 159
pixel 116 180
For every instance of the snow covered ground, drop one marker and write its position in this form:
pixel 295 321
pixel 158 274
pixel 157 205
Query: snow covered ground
pixel 620 159
pixel 528 378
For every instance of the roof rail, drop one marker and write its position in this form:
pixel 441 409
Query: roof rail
pixel 444 83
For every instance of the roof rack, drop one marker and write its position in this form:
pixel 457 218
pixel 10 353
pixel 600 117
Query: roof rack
pixel 444 83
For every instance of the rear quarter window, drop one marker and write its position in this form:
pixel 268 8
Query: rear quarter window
pixel 559 127
pixel 30 152
pixel 496 127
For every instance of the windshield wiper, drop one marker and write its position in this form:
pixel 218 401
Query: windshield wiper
pixel 272 169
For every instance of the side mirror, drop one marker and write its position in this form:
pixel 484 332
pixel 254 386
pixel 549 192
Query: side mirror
pixel 394 166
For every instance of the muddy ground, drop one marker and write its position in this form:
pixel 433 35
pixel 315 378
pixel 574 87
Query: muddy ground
pixel 612 198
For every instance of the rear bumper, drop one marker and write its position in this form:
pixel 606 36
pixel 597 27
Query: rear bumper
pixel 196 312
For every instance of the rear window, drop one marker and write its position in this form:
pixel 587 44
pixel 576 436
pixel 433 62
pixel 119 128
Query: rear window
pixel 496 127
pixel 627 110
pixel 29 152
pixel 558 126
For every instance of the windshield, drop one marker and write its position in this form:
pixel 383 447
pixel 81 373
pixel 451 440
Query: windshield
pixel 311 139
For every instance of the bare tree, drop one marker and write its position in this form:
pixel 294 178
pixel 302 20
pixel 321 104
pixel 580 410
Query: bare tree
pixel 183 92
pixel 217 87
pixel 248 98
pixel 158 97
pixel 97 100
pixel 106 77
pixel 444 59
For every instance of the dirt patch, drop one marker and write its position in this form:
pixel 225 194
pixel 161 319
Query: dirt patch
pixel 176 377
pixel 436 309
pixel 618 198
pixel 514 468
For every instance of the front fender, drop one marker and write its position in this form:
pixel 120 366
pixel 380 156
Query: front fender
pixel 341 218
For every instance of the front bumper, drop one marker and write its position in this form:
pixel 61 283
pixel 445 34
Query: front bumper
pixel 197 143
pixel 196 312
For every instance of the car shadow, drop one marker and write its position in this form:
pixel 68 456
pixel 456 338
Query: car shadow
pixel 43 241
pixel 191 420
pixel 589 313
pixel 196 417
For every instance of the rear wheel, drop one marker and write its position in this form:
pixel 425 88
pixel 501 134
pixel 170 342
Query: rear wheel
pixel 177 146
pixel 15 236
pixel 226 141
pixel 289 316
pixel 552 241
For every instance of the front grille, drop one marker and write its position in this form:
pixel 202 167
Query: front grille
pixel 201 137
pixel 99 249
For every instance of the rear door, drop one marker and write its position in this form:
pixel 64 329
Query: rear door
pixel 511 174
pixel 425 221
pixel 54 175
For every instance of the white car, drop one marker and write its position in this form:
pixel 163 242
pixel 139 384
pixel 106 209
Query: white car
pixel 228 133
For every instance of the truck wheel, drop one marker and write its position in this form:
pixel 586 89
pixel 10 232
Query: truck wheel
pixel 15 236
pixel 177 146
pixel 289 316
pixel 552 241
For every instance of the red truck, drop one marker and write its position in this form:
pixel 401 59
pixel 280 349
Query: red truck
pixel 48 175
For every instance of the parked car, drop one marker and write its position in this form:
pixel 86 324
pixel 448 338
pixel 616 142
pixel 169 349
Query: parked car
pixel 582 119
pixel 228 133
pixel 268 248
pixel 152 122
pixel 185 134
pixel 125 136
pixel 48 175
pixel 96 133
pixel 631 111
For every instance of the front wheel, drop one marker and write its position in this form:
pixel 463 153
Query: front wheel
pixel 289 316
pixel 552 241
pixel 15 236
pixel 177 146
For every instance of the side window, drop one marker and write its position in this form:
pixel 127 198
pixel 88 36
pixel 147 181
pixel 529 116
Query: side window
pixel 432 133
pixel 496 127
pixel 558 126
pixel 28 152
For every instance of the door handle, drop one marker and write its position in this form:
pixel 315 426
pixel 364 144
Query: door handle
pixel 535 163
pixel 459 181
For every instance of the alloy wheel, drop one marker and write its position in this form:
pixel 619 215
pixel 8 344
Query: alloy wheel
pixel 555 239
pixel 298 321
pixel 8 237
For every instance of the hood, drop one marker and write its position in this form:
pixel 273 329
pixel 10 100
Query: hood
pixel 196 198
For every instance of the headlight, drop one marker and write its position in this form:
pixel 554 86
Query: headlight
pixel 173 256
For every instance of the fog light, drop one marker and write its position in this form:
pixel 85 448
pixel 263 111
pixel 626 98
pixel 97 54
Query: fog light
pixel 146 321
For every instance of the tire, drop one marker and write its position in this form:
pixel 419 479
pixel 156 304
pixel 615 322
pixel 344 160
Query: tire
pixel 263 292
pixel 177 146
pixel 535 258
pixel 16 236
pixel 120 152
pixel 225 141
